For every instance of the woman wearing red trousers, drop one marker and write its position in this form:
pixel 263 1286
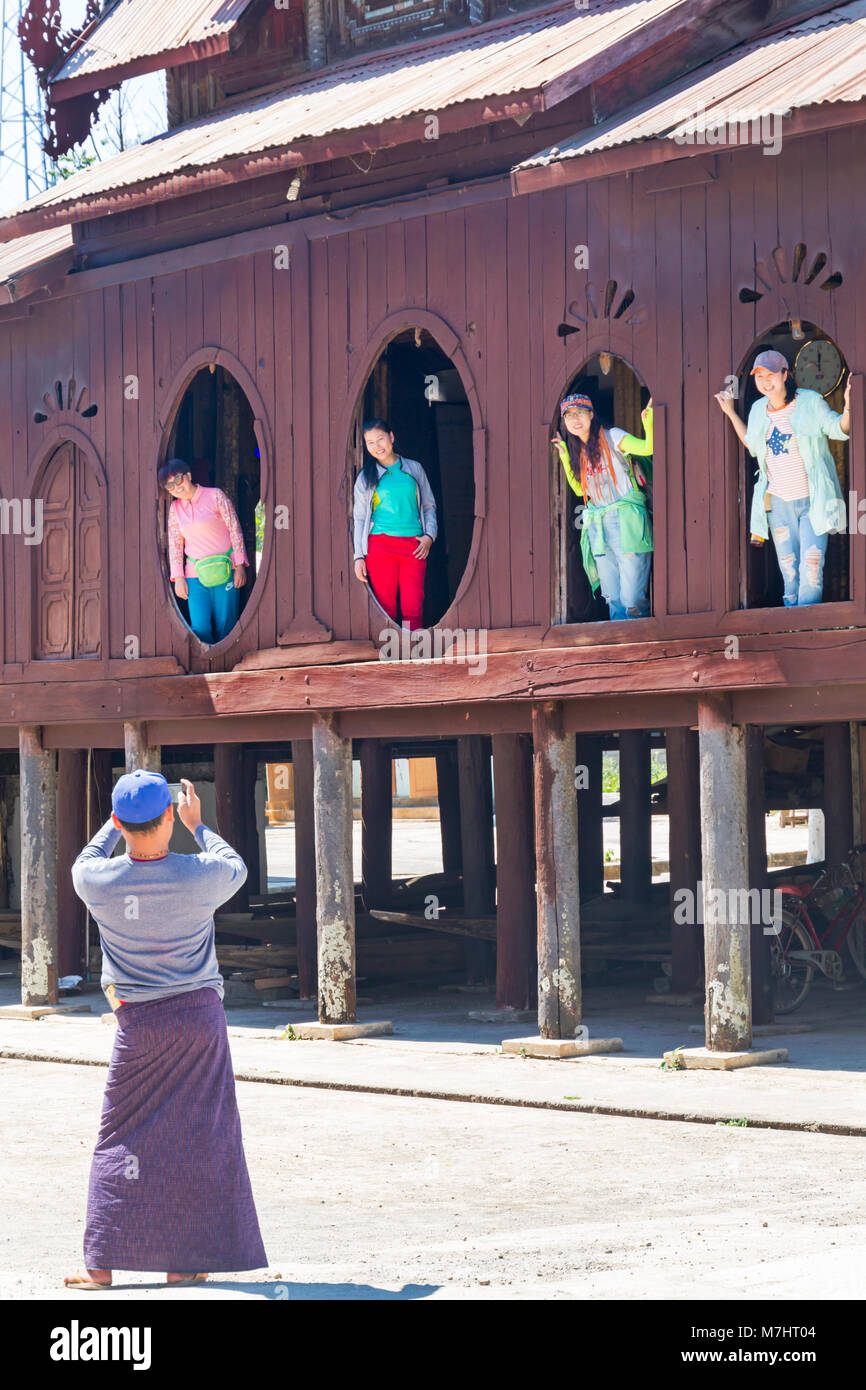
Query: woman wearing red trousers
pixel 395 525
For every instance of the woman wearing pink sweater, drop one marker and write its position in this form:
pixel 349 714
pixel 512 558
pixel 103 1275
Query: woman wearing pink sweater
pixel 203 526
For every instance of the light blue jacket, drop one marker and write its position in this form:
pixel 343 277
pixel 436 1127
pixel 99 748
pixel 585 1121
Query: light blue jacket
pixel 363 508
pixel 813 422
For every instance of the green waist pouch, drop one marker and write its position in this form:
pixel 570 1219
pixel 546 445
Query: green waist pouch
pixel 214 569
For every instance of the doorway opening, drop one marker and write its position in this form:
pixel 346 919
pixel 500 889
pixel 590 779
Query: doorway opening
pixel 817 364
pixel 618 396
pixel 417 389
pixel 214 432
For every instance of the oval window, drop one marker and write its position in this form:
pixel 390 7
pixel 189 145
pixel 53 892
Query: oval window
pixel 589 588
pixel 815 363
pixel 213 433
pixel 417 391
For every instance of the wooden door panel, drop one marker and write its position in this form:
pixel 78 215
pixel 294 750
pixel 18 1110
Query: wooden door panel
pixel 69 568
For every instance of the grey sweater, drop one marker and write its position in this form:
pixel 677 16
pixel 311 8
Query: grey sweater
pixel 155 918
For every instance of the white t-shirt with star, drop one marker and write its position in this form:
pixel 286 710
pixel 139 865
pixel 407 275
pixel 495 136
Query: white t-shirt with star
pixel 786 472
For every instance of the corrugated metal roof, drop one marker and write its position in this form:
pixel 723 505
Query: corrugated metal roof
pixel 135 29
pixel 819 60
pixel 27 252
pixel 500 60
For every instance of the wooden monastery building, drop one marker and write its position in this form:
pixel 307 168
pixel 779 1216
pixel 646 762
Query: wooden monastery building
pixel 449 213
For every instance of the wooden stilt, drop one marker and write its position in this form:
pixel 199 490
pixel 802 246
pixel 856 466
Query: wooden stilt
pixel 100 784
pixel 139 753
pixel 635 818
pixel 476 830
pixel 71 838
pixel 590 815
pixel 305 866
pixel 684 855
pixel 516 941
pixel 556 861
pixel 376 826
pixel 233 810
pixel 838 816
pixel 762 986
pixel 335 888
pixel 39 963
pixel 250 851
pixel 448 792
pixel 724 834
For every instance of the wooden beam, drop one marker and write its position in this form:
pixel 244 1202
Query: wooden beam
pixel 762 984
pixel 724 835
pixel 557 887
pixel 335 888
pixel 476 832
pixel 138 751
pixel 516 920
pixel 305 867
pixel 635 819
pixel 684 855
pixel 448 795
pixel 39 927
pixel 71 839
pixel 376 827
pixel 234 808
pixel 838 817
pixel 590 815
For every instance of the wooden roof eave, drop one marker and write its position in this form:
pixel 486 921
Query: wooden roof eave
pixel 644 154
pixel 67 87
pixel 44 276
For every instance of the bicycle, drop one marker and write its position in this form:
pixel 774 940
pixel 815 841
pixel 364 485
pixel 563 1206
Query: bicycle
pixel 818 918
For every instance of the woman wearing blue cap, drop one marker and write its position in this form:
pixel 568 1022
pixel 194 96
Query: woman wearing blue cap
pixel 616 537
pixel 797 486
pixel 169 1187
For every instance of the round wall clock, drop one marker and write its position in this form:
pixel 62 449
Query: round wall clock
pixel 818 366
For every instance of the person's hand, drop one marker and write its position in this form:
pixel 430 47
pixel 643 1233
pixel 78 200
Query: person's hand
pixel 848 391
pixel 240 574
pixel 647 408
pixel 189 806
pixel 726 401
pixel 361 570
pixel 557 438
pixel 423 549
pixel 181 588
pixel 640 476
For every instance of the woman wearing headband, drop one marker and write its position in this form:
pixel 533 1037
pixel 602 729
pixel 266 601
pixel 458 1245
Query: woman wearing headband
pixel 797 487
pixel 616 536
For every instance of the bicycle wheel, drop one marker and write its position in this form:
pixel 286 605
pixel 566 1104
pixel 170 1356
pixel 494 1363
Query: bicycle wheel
pixel 856 942
pixel 791 979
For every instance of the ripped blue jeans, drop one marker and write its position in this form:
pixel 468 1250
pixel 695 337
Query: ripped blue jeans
pixel 799 551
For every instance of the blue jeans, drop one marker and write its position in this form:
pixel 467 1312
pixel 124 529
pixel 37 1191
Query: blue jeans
pixel 799 551
pixel 212 612
pixel 624 578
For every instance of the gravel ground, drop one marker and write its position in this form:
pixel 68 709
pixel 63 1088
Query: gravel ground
pixel 363 1196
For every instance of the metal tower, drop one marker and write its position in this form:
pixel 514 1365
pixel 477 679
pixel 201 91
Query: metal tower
pixel 23 165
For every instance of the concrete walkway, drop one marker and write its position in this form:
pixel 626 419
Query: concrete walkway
pixel 436 1051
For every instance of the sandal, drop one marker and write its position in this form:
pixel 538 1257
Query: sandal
pixel 84 1281
pixel 188 1279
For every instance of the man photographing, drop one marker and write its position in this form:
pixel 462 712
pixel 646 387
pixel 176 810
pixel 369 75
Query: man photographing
pixel 169 1188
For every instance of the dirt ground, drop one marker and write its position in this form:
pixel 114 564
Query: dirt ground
pixel 365 1196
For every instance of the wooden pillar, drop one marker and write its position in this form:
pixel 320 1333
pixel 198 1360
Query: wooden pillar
pixel 376 827
pixel 100 781
pixel 762 984
pixel 516 939
pixel 476 833
pixel 635 819
pixel 250 851
pixel 557 886
pixel 590 815
pixel 71 839
pixel 684 855
pixel 335 887
pixel 448 794
pixel 139 753
pixel 38 868
pixel 724 837
pixel 233 809
pixel 838 816
pixel 305 866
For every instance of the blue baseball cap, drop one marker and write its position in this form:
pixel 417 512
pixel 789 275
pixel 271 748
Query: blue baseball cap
pixel 140 796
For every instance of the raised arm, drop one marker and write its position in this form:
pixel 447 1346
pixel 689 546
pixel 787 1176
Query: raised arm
pixel 640 448
pixel 92 856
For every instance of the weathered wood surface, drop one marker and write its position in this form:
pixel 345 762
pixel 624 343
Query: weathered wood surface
pixel 138 751
pixel 376 826
pixel 516 916
pixel 235 808
pixel 556 861
pixel 335 890
pixel 39 933
pixel 476 831
pixel 305 866
pixel 635 816
pixel 759 949
pixel 71 838
pixel 684 832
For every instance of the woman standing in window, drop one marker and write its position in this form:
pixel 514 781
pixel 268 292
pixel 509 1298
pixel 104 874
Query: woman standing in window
pixel 203 524
pixel 394 525
pixel 797 486
pixel 616 536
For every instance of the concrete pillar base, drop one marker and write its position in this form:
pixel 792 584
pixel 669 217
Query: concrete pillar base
pixel 37 1011
pixel 559 1047
pixel 341 1032
pixel 701 1059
